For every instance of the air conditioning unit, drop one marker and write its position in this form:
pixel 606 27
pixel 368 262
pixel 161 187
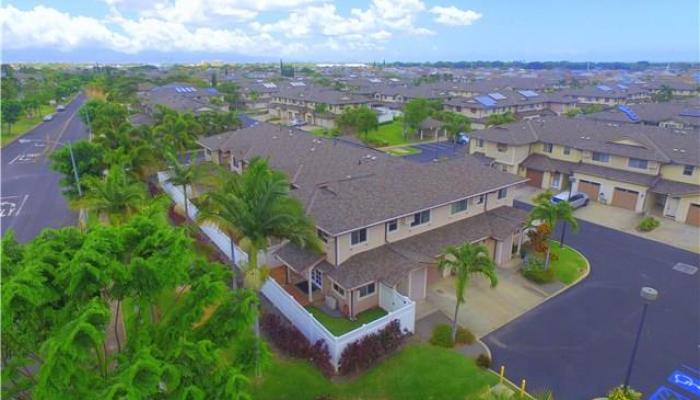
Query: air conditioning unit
pixel 331 302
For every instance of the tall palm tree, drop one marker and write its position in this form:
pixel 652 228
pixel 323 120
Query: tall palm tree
pixel 115 197
pixel 183 175
pixel 465 261
pixel 255 207
pixel 550 213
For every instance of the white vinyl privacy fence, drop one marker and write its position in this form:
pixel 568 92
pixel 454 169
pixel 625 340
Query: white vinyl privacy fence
pixel 398 307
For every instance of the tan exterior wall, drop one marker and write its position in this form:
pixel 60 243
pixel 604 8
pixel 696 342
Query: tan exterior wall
pixel 684 205
pixel 558 152
pixel 622 163
pixel 607 188
pixel 511 157
pixel 674 172
pixel 365 303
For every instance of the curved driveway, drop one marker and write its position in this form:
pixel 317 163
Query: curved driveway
pixel 579 343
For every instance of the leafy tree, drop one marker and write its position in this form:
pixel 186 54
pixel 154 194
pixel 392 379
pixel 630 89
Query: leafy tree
pixel 546 212
pixel 664 95
pixel 231 91
pixel 213 79
pixel 11 111
pixel 115 197
pixel 592 108
pixel 184 175
pixel 89 162
pixel 465 261
pixel 572 112
pixel 10 87
pixel 179 131
pixel 500 119
pixel 254 208
pixel 61 316
pixel 321 108
pixel 358 119
pixel 455 123
pixel 624 393
pixel 417 110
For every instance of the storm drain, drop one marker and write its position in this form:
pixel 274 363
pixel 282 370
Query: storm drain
pixel 685 268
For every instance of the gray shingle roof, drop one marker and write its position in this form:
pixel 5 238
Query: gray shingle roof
pixel 297 258
pixel 346 186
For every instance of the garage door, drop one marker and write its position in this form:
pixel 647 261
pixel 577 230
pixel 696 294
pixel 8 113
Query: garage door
pixel 590 188
pixel 693 217
pixel 625 198
pixel 535 178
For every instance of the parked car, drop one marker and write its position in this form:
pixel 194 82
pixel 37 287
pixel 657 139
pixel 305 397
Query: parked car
pixel 296 122
pixel 60 107
pixel 576 200
pixel 48 118
pixel 462 138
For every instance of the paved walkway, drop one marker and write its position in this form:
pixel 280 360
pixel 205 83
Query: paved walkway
pixel 670 232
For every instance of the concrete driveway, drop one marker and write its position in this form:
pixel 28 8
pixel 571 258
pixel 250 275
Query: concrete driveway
pixel 578 344
pixel 486 308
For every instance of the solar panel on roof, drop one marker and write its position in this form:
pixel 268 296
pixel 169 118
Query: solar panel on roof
pixel 191 89
pixel 604 88
pixel 628 111
pixel 497 96
pixel 623 87
pixel 485 101
pixel 528 93
pixel 178 89
pixel 690 113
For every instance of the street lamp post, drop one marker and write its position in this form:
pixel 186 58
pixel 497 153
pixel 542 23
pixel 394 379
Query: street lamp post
pixel 563 229
pixel 648 295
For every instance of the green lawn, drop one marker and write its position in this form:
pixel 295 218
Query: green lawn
pixel 323 132
pixel 416 372
pixel 402 151
pixel 390 134
pixel 24 124
pixel 569 265
pixel 339 326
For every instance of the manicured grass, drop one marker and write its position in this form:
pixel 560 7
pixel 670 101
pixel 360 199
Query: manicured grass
pixel 323 132
pixel 402 151
pixel 390 134
pixel 339 326
pixel 24 124
pixel 569 265
pixel 416 372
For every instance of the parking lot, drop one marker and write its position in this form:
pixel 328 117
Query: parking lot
pixel 430 152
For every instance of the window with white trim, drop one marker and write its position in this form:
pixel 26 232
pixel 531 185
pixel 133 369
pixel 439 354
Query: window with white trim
pixel 567 150
pixel 322 235
pixel 338 290
pixel 601 157
pixel 392 226
pixel 358 236
pixel 637 163
pixel 480 142
pixel 317 278
pixel 502 193
pixel 420 218
pixel 479 199
pixel 501 147
pixel 459 206
pixel 547 147
pixel 688 170
pixel 367 290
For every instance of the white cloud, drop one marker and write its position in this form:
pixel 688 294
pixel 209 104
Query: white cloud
pixel 453 16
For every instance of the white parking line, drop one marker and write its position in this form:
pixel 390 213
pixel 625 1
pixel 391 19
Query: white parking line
pixel 8 205
pixel 26 196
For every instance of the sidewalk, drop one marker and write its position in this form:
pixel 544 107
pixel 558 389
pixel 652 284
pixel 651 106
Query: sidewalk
pixel 670 232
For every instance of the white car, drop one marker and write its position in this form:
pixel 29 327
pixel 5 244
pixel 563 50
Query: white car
pixel 48 118
pixel 576 200
pixel 61 107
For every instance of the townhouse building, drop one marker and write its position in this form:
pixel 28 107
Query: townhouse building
pixel 609 94
pixel 646 169
pixel 383 220
pixel 313 105
pixel 182 97
pixel 680 115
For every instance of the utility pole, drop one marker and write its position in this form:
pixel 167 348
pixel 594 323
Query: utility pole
pixel 75 170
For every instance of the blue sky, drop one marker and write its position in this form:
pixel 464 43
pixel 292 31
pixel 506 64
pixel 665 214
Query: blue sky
pixel 368 30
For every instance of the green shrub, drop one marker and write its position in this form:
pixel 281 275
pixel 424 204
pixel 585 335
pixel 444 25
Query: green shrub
pixel 484 361
pixel 648 224
pixel 535 272
pixel 442 336
pixel 464 336
pixel 619 393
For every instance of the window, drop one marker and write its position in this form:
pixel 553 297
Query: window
pixel 601 157
pixel 421 218
pixel 459 206
pixel 392 226
pixel 480 199
pixel 339 290
pixel 502 193
pixel 547 147
pixel 322 235
pixel 501 147
pixel 688 170
pixel 317 278
pixel 567 150
pixel 480 142
pixel 367 290
pixel 637 163
pixel 358 236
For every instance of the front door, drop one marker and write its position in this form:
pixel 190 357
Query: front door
pixel 535 177
pixel 317 278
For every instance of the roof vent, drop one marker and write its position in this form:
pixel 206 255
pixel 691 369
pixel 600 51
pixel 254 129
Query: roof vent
pixel 682 150
pixel 313 149
pixel 274 137
pixel 675 149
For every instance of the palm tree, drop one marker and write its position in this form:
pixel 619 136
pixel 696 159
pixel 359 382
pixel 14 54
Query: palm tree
pixel 550 213
pixel 464 261
pixel 116 197
pixel 255 207
pixel 183 175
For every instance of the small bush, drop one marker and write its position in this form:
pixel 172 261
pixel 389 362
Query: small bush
pixel 464 336
pixel 484 361
pixel 363 353
pixel 648 224
pixel 535 272
pixel 442 336
pixel 619 393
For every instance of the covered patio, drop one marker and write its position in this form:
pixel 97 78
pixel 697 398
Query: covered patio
pixel 301 274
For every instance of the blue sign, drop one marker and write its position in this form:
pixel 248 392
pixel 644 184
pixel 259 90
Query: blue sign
pixel 686 381
pixel 664 393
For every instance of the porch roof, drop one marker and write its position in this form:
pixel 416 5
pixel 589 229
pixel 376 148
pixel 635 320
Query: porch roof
pixel 670 187
pixel 297 258
pixel 391 262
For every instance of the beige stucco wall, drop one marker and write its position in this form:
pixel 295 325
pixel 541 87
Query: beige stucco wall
pixel 674 172
pixel 684 205
pixel 558 152
pixel 619 162
pixel 607 188
pixel 512 157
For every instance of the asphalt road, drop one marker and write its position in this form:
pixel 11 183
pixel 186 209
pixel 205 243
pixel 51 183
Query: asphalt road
pixel 435 151
pixel 579 344
pixel 30 196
